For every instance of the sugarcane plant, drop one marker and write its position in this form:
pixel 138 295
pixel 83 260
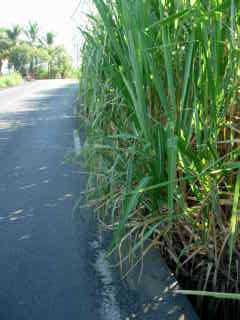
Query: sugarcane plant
pixel 160 86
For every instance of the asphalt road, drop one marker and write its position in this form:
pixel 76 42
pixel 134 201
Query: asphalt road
pixel 46 270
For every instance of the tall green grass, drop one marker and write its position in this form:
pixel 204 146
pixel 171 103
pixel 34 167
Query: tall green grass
pixel 160 87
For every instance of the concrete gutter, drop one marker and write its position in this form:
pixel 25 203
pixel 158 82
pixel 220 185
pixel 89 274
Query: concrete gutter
pixel 153 282
pixel 156 286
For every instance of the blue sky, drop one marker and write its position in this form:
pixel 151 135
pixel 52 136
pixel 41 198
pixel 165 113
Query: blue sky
pixel 52 15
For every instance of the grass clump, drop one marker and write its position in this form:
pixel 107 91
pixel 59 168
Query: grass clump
pixel 160 87
pixel 11 79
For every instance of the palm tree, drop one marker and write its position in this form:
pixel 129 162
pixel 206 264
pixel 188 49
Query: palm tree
pixel 32 32
pixel 50 38
pixel 14 33
pixel 47 43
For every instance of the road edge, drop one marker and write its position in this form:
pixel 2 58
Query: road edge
pixel 153 280
pixel 155 284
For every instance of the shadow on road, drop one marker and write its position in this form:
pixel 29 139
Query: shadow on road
pixel 44 264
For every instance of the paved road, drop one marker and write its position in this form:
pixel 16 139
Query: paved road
pixel 45 262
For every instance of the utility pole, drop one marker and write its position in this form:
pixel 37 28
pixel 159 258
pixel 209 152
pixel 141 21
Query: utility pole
pixel 79 17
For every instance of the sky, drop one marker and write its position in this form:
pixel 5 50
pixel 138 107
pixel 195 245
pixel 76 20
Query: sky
pixel 52 15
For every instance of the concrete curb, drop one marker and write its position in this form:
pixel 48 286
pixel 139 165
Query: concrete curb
pixel 77 142
pixel 152 280
pixel 76 135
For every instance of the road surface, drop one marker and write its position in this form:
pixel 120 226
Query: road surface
pixel 46 269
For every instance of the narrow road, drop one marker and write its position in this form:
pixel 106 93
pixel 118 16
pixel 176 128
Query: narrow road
pixel 45 263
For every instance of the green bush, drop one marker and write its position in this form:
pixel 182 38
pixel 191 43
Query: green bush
pixel 10 80
pixel 73 73
pixel 41 73
pixel 20 58
pixel 60 64
pixel 160 89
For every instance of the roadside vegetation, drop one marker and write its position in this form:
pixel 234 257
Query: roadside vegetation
pixel 160 84
pixel 10 80
pixel 33 55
